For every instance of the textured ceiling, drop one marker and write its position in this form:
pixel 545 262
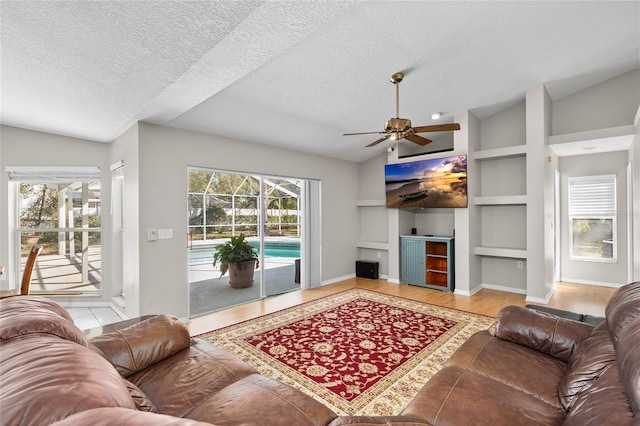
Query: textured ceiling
pixel 296 74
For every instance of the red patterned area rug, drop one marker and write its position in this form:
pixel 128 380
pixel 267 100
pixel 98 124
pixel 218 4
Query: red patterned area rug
pixel 359 352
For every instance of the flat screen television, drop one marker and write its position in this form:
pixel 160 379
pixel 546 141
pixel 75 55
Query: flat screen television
pixel 433 183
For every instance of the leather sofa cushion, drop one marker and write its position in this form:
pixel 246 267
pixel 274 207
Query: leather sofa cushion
pixel 502 361
pixel 378 420
pixel 604 404
pixel 22 316
pixel 628 357
pixel 543 332
pixel 623 307
pixel 124 416
pixel 34 303
pixel 192 375
pixel 591 357
pixel 257 397
pixel 458 397
pixel 45 378
pixel 142 401
pixel 136 347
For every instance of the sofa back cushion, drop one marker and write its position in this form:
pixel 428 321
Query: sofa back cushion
pixel 135 348
pixel 22 316
pixel 605 403
pixel 45 378
pixel 623 307
pixel 628 356
pixel 590 359
pixel 623 320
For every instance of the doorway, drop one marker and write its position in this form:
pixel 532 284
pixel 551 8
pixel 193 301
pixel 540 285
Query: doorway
pixel 272 212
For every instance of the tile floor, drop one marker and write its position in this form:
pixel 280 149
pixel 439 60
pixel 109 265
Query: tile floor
pixel 90 317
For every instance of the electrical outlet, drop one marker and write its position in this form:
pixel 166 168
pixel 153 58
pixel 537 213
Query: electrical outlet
pixel 520 264
pixel 379 255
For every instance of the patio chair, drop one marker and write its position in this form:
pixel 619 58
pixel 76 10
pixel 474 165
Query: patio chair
pixel 26 275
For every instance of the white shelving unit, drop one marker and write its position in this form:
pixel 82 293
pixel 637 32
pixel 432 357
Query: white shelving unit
pixel 506 152
pixel 366 209
pixel 500 201
pixel 501 252
pixel 370 203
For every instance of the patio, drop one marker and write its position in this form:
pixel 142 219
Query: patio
pixel 208 292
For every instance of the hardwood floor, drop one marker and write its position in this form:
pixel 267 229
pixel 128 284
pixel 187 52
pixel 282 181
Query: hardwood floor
pixel 572 297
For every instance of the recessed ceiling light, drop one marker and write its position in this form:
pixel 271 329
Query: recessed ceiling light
pixel 436 115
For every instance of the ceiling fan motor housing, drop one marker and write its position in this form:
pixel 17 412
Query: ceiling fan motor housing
pixel 397 125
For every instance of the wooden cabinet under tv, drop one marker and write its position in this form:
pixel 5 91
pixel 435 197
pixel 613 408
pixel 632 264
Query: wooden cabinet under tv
pixel 427 262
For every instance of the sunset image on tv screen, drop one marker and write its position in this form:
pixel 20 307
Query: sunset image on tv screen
pixel 440 182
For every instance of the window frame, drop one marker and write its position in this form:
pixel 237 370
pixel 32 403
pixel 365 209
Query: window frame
pixel 56 175
pixel 607 213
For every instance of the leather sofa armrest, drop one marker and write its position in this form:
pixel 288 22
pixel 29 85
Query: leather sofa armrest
pixel 401 420
pixel 546 333
pixel 136 347
pixel 122 416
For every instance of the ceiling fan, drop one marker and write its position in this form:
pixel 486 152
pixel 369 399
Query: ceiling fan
pixel 400 128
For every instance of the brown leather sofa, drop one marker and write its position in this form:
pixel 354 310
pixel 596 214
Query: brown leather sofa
pixel 542 369
pixel 536 368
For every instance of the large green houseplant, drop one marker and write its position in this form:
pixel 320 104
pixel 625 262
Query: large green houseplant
pixel 239 258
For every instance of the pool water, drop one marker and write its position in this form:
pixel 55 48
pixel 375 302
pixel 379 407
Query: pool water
pixel 272 248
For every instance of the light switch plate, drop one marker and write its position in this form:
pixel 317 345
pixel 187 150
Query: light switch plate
pixel 165 233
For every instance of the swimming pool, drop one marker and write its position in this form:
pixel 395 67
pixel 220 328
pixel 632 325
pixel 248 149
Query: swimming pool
pixel 203 252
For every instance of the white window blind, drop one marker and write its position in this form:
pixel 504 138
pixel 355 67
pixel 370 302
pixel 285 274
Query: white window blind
pixel 44 174
pixel 592 196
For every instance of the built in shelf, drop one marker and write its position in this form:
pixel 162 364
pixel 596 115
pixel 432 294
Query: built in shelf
pixel 374 245
pixel 506 152
pixel 371 203
pixel 501 252
pixel 500 200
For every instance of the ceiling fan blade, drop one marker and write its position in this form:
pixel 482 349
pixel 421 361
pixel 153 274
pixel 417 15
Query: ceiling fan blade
pixel 374 143
pixel 363 133
pixel 417 139
pixel 437 128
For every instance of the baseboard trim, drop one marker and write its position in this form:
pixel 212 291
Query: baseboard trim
pixel 504 288
pixel 589 282
pixel 338 279
pixel 542 300
pixel 468 293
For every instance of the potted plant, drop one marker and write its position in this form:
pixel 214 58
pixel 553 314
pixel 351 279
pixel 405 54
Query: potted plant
pixel 237 257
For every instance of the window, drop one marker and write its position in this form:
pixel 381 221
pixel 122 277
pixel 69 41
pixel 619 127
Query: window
pixel 60 209
pixel 592 216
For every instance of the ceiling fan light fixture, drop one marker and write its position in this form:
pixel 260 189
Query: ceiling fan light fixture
pixel 436 115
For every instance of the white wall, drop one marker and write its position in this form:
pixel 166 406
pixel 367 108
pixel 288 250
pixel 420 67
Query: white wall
pixel 164 155
pixel 611 103
pixel 22 147
pixel 156 160
pixel 587 165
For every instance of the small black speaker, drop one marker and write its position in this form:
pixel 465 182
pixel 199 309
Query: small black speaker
pixel 365 269
pixel 414 231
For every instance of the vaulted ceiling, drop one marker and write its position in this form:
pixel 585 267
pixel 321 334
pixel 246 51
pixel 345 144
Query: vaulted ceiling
pixel 296 74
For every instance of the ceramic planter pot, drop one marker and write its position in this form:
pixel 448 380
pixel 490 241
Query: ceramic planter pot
pixel 241 274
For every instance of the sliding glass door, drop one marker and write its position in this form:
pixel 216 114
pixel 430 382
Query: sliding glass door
pixel 268 211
